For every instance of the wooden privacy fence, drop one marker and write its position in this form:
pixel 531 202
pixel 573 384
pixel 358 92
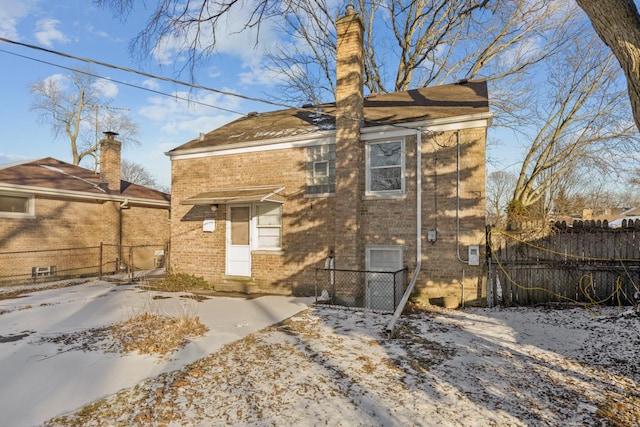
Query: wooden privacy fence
pixel 588 263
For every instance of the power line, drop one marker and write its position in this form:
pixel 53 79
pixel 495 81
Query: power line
pixel 142 73
pixel 122 83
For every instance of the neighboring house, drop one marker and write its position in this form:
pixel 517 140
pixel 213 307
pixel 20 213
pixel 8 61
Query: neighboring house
pixel 259 203
pixel 66 213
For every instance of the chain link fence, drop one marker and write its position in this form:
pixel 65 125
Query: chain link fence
pixel 377 290
pixel 22 267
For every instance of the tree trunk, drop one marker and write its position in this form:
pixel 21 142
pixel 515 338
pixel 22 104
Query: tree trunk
pixel 618 24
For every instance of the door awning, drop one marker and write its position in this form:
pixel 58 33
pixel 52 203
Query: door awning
pixel 220 196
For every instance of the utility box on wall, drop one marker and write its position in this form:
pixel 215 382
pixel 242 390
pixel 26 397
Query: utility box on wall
pixel 474 255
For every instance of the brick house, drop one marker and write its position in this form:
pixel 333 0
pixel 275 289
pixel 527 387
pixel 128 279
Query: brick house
pixel 377 183
pixel 66 213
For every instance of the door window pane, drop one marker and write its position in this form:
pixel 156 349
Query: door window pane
pixel 240 225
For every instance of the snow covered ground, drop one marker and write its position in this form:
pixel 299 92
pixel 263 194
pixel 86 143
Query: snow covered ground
pixel 40 379
pixel 327 366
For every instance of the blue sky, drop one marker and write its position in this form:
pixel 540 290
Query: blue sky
pixel 78 28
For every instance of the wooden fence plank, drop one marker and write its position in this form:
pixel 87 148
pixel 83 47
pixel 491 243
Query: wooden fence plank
pixel 588 262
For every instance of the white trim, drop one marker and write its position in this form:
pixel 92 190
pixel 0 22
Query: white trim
pixel 328 137
pixel 318 195
pixel 36 191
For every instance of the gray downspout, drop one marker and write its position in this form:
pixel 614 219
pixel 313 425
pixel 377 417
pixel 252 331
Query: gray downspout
pixel 414 278
pixel 458 199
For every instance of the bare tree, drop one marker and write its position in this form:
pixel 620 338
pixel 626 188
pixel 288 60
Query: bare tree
pixel 617 22
pixel 435 41
pixel 135 173
pixel 582 121
pixel 500 186
pixel 74 106
pixel 191 24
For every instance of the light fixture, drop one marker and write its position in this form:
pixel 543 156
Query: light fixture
pixel 213 208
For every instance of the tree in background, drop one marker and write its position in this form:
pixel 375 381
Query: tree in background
pixel 580 122
pixel 548 79
pixel 617 22
pixel 499 192
pixel 137 174
pixel 75 106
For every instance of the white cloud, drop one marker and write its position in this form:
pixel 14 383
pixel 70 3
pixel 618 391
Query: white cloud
pixel 258 74
pixel 59 80
pixel 231 37
pixel 186 120
pixel 11 12
pixel 167 109
pixel 191 128
pixel 106 88
pixel 92 30
pixel 47 32
pixel 151 84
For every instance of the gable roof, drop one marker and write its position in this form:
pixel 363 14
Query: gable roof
pixel 58 176
pixel 417 105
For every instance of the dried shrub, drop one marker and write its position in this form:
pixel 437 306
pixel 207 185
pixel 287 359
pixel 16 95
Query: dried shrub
pixel 177 282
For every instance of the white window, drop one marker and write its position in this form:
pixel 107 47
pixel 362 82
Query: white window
pixel 384 258
pixel 268 223
pixel 321 169
pixel 16 206
pixel 385 168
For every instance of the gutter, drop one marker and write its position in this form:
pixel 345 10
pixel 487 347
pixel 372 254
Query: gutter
pixel 82 195
pixel 414 278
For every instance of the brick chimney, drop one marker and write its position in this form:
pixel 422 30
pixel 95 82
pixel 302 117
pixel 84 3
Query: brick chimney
pixel 349 250
pixel 110 166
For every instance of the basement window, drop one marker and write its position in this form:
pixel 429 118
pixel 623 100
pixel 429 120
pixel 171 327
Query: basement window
pixel 16 206
pixel 49 270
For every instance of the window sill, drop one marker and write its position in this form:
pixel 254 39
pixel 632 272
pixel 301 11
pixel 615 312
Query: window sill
pixel 319 195
pixel 277 252
pixel 385 196
pixel 16 215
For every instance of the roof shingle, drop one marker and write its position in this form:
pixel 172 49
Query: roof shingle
pixel 416 105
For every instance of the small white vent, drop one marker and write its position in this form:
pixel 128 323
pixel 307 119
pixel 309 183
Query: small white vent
pixel 43 271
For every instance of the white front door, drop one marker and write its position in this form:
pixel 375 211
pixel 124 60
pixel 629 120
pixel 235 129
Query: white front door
pixel 382 293
pixel 239 241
